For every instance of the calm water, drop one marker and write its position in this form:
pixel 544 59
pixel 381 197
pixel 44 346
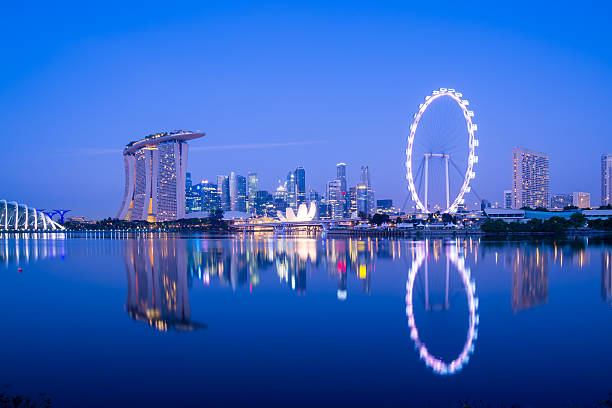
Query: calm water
pixel 187 321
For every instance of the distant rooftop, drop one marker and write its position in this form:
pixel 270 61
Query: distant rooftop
pixel 157 138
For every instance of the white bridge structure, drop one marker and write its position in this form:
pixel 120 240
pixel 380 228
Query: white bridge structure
pixel 20 217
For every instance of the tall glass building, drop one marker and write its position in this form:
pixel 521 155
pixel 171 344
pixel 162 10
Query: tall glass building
pixel 530 178
pixel 606 179
pixel 155 177
pixel 238 192
pixel 252 188
pixel 223 190
pixel 300 185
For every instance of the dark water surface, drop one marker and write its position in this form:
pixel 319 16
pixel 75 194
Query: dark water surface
pixel 190 321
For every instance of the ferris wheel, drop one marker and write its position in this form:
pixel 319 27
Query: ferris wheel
pixel 441 134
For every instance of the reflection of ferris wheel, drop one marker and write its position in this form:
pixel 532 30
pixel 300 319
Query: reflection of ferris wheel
pixel 438 137
pixel 436 364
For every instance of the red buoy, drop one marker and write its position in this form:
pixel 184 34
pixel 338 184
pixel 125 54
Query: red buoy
pixel 19 270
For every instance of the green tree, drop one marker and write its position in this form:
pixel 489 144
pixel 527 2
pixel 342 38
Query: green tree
pixel 577 220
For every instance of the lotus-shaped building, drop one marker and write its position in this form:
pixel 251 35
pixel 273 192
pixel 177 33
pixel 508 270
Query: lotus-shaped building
pixel 304 213
pixel 15 217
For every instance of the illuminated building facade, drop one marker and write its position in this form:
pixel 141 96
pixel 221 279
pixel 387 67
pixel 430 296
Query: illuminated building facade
pixel 581 200
pixel 530 178
pixel 155 177
pixel 238 192
pixel 252 188
pixel 606 179
pixel 560 201
pixel 507 199
pixel 223 192
pixel 335 199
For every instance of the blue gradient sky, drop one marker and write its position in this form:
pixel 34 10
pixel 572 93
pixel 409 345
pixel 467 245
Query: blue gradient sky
pixel 275 85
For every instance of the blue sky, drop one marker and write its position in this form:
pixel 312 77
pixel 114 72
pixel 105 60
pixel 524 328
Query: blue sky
pixel 275 85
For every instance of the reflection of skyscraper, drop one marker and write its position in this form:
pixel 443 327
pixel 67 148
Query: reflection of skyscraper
pixel 157 284
pixel 529 278
pixel 606 276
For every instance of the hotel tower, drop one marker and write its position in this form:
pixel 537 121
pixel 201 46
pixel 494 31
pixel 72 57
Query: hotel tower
pixel 530 178
pixel 155 175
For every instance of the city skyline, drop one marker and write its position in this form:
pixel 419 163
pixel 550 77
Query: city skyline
pixel 307 112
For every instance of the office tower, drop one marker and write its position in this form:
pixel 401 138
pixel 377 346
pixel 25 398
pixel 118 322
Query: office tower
pixel 223 190
pixel 280 197
pixel 290 186
pixel 192 203
pixel 365 179
pixel 352 200
pixel 507 199
pixel 155 177
pixel 484 204
pixel 300 185
pixel 253 187
pixel 335 199
pixel 560 201
pixel 530 178
pixel 264 204
pixel 361 197
pixel 341 175
pixel 238 192
pixel 606 179
pixel 581 199
pixel 209 196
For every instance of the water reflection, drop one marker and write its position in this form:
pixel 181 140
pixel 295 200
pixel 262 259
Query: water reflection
pixel 606 276
pixel 23 248
pixel 529 278
pixel 420 264
pixel 157 284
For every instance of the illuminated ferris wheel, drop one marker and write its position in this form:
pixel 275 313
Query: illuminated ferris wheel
pixel 441 134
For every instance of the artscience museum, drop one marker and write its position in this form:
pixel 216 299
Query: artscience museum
pixel 20 217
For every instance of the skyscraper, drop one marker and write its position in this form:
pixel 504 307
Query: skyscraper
pixel 223 191
pixel 238 192
pixel 335 199
pixel 365 179
pixel 155 177
pixel 252 188
pixel 530 178
pixel 300 185
pixel 290 185
pixel 341 176
pixel 606 179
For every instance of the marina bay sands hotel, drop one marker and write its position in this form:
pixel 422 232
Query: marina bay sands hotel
pixel 155 172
